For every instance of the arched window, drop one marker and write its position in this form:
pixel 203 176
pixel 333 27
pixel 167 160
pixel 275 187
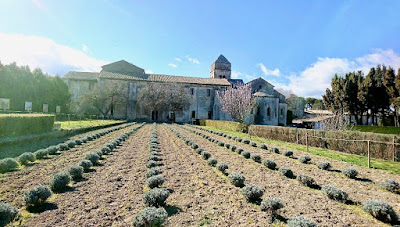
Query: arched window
pixel 268 112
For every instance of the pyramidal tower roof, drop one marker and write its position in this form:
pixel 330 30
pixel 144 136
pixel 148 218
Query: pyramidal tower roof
pixel 222 59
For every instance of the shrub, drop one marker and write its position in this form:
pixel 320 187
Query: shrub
pixel 205 155
pixel 71 144
pixel 252 192
pixel 300 221
pixel 106 150
pixel 288 153
pixel 194 146
pixel 239 151
pixel 93 157
pixel 36 195
pixel 334 193
pixel 263 146
pixel 63 147
pixel 154 158
pixel 227 145
pixel 286 172
pixel 150 216
pixel 236 179
pixel 271 205
pixel 155 181
pixel 306 180
pixel 269 164
pixel 86 164
pixel 305 159
pixel 324 165
pixel 26 157
pixel 380 210
pixel 390 185
pixel 275 150
pixel 60 181
pixel 246 141
pixel 221 144
pixel 222 167
pixel 239 140
pixel 212 162
pixel 246 154
pixel 100 154
pixel 350 172
pixel 256 157
pixel 76 172
pixel 78 142
pixel 233 148
pixel 8 164
pixel 52 150
pixel 253 144
pixel 153 172
pixel 7 213
pixel 156 197
pixel 199 150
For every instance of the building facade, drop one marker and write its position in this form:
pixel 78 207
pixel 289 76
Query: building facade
pixel 270 105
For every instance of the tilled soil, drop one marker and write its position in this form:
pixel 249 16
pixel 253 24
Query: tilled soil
pixel 297 199
pixel 14 184
pixel 364 188
pixel 109 196
pixel 201 195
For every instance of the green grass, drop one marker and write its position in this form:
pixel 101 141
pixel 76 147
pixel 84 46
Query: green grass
pixel 377 129
pixel 84 124
pixel 392 167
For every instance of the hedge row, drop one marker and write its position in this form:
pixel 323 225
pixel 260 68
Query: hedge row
pixel 228 125
pixel 24 124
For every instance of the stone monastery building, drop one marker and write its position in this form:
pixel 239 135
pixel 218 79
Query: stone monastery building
pixel 270 108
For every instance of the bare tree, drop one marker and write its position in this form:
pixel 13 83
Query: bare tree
pixel 237 102
pixel 102 98
pixel 336 122
pixel 163 97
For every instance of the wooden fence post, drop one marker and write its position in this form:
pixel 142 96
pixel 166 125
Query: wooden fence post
pixel 369 157
pixel 297 136
pixel 307 140
pixel 394 149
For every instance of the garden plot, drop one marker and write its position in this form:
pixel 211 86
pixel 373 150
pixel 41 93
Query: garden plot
pixel 365 186
pixel 201 195
pixel 108 195
pixel 297 199
pixel 13 184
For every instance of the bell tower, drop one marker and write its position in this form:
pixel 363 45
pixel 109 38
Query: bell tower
pixel 221 68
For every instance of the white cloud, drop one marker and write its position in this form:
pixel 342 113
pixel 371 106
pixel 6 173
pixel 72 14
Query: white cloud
pixel 38 4
pixel 268 72
pixel 192 60
pixel 148 71
pixel 44 53
pixel 235 75
pixel 172 65
pixel 178 59
pixel 316 78
pixel 85 48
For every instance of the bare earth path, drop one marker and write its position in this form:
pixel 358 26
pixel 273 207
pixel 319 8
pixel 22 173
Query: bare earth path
pixel 297 199
pixel 359 190
pixel 111 195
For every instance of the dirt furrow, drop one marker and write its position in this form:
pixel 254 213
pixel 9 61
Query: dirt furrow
pixel 296 198
pixel 201 195
pixel 109 196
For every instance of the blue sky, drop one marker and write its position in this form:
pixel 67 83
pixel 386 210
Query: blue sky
pixel 296 45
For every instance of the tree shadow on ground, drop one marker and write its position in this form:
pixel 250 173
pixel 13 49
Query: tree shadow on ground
pixel 42 207
pixel 351 202
pixel 80 180
pixel 335 170
pixel 66 189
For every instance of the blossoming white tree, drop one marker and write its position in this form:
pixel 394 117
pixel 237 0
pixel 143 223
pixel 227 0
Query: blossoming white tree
pixel 237 102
